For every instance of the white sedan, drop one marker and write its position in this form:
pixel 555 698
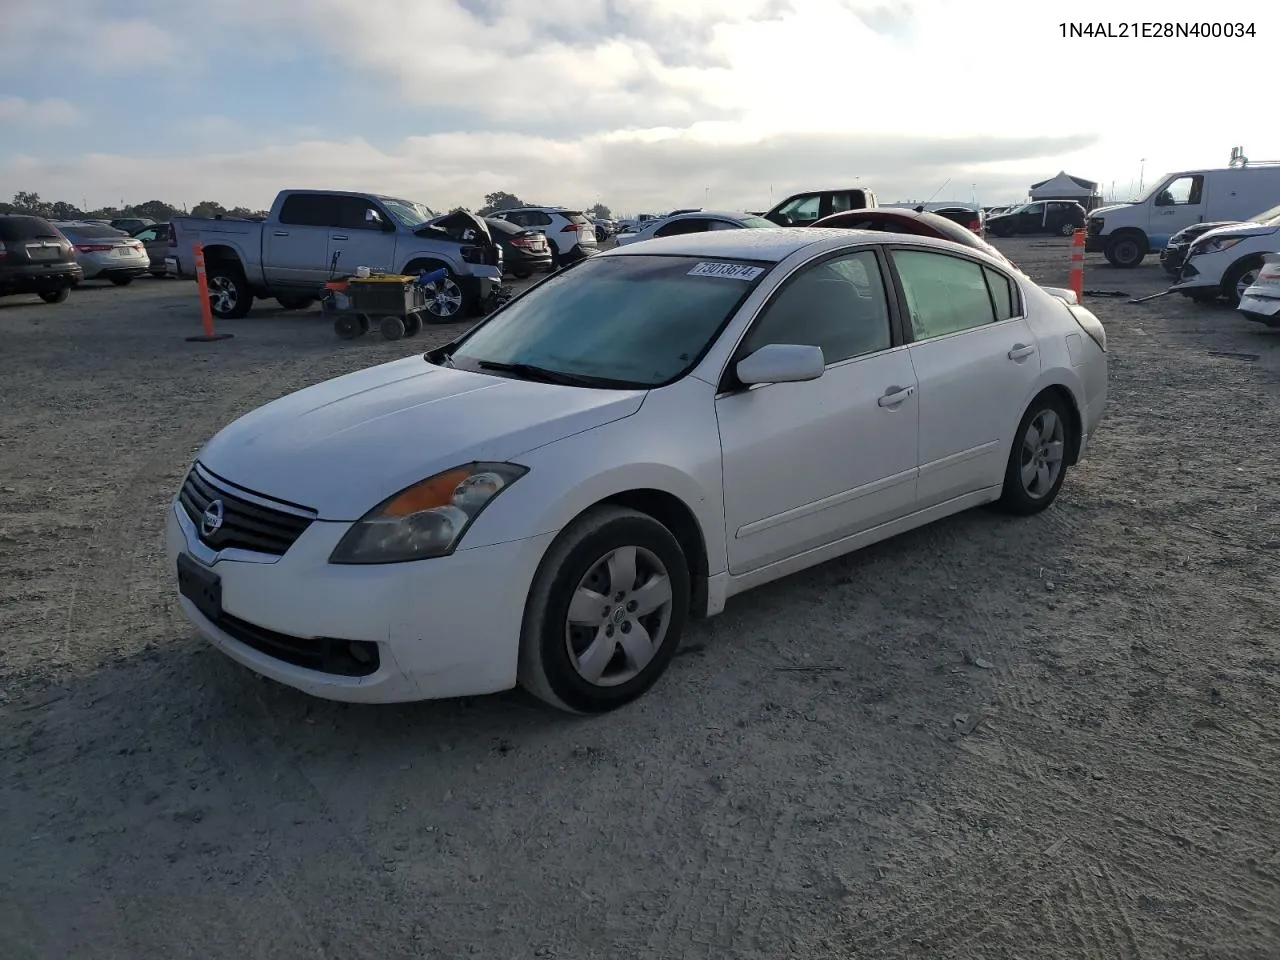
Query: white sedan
pixel 694 221
pixel 547 499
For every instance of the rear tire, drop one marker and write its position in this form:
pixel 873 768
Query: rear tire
pixel 1038 457
pixel 122 281
pixel 1068 229
pixel 637 565
pixel 230 296
pixel 55 296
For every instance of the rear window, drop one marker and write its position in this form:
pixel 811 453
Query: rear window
pixel 501 226
pixel 93 230
pixel 574 216
pixel 17 228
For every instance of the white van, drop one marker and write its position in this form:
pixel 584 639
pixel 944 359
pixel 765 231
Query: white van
pixel 1127 232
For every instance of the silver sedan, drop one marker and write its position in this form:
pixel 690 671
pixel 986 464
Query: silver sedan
pixel 694 221
pixel 106 253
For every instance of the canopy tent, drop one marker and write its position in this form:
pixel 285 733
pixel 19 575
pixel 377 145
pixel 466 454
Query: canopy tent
pixel 1066 187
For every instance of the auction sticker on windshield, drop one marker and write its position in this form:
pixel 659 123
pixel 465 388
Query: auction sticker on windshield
pixel 732 271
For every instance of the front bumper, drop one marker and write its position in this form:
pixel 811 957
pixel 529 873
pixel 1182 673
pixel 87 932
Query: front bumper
pixel 1260 309
pixel 1172 258
pixel 1095 243
pixel 447 627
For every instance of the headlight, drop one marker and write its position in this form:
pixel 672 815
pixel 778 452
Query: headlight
pixel 1214 246
pixel 427 519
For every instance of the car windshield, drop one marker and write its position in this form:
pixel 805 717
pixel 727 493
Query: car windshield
pixel 759 223
pixel 1270 217
pixel 409 213
pixel 622 321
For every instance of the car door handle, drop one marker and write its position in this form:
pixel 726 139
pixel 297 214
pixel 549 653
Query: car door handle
pixel 1021 350
pixel 339 236
pixel 281 233
pixel 895 395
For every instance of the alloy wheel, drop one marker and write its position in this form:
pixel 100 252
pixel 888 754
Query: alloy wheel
pixel 618 616
pixel 223 295
pixel 1043 447
pixel 444 298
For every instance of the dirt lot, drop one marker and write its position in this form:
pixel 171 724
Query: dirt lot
pixel 1045 738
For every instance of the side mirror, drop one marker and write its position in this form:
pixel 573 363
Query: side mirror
pixel 782 363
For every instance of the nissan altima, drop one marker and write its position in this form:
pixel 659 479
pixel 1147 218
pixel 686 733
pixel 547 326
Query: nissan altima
pixel 548 499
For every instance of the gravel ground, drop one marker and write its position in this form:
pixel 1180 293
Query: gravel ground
pixel 1043 738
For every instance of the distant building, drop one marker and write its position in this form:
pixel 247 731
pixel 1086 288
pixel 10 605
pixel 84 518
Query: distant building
pixel 1066 187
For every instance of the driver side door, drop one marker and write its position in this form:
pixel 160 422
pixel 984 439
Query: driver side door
pixel 806 464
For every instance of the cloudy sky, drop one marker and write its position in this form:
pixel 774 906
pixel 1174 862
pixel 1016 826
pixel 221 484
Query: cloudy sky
pixel 643 104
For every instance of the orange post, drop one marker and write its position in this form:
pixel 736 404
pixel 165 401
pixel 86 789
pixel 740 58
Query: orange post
pixel 206 306
pixel 1076 281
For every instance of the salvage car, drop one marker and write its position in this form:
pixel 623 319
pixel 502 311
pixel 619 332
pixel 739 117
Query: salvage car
pixel 624 446
pixel 310 234
pixel 1062 217
pixel 1224 262
pixel 36 258
pixel 524 250
pixel 1174 255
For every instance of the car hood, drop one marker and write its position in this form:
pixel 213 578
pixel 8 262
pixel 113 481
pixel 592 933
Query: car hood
pixel 343 446
pixel 1237 230
pixel 1103 211
pixel 1196 229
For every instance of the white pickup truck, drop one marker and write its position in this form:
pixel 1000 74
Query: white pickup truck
pixel 311 234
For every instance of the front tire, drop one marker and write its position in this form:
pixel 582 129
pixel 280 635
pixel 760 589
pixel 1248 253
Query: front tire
pixel 230 296
pixel 446 301
pixel 1239 278
pixel 55 296
pixel 605 612
pixel 1125 252
pixel 295 303
pixel 1038 460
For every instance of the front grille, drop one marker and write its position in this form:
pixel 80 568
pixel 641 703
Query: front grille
pixel 245 525
pixel 344 658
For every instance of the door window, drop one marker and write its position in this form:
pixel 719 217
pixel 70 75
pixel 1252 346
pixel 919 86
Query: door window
pixel 312 210
pixel 1035 210
pixel 838 305
pixel 355 214
pixel 944 294
pixel 1182 191
pixel 148 235
pixel 1004 294
pixel 804 209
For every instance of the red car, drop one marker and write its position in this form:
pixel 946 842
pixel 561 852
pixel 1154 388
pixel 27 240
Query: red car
pixel 923 224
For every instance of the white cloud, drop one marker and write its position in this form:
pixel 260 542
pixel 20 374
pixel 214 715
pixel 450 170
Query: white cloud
pixel 49 112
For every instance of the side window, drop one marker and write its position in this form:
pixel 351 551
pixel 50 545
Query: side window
pixel 686 225
pixel 840 202
pixel 724 225
pixel 354 215
pixel 536 218
pixel 1003 295
pixel 147 235
pixel 1034 210
pixel 838 305
pixel 1184 190
pixel 311 210
pixel 803 209
pixel 944 294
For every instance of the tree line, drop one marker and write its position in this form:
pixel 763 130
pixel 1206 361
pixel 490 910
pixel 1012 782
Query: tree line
pixel 25 201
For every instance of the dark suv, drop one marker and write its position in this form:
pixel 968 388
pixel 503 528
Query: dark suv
pixel 36 258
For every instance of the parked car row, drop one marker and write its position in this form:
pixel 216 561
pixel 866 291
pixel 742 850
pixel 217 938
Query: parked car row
pixel 48 258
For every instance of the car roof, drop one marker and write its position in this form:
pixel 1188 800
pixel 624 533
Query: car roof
pixel 775 244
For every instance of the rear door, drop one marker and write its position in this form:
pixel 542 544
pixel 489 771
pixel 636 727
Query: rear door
pixel 976 363
pixel 364 237
pixel 295 251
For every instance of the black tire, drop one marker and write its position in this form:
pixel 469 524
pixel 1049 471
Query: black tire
pixel 121 281
pixel 1016 498
pixel 295 303
pixel 1125 251
pixel 1068 229
pixel 230 295
pixel 55 296
pixel 547 668
pixel 392 328
pixel 412 324
pixel 1233 281
pixel 348 326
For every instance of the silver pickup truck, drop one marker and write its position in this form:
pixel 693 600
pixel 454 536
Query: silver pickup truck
pixel 311 234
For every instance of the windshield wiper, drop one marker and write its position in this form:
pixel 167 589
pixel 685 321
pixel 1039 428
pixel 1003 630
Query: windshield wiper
pixel 533 372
